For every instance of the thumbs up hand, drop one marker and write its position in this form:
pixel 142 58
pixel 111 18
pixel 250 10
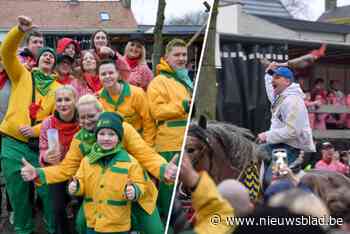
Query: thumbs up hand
pixel 28 172
pixel 171 170
pixel 130 192
pixel 73 186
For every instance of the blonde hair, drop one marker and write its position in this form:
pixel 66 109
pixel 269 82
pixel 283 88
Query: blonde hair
pixel 68 88
pixel 142 60
pixel 176 42
pixel 300 202
pixel 89 99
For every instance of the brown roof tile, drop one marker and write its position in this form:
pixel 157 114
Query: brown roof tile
pixel 61 15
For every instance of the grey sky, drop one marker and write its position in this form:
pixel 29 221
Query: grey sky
pixel 317 7
pixel 145 11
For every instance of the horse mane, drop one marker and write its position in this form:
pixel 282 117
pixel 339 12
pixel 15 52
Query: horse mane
pixel 237 143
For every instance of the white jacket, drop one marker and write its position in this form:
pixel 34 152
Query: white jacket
pixel 290 120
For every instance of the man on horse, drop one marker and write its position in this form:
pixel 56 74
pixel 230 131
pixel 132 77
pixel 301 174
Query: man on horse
pixel 290 129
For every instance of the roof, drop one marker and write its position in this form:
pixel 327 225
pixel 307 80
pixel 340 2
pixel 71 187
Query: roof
pixel 172 29
pixel 262 7
pixel 310 26
pixel 336 13
pixel 51 15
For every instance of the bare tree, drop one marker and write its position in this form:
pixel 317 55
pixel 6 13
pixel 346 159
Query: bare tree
pixel 191 18
pixel 297 8
pixel 158 39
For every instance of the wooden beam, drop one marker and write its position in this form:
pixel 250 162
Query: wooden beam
pixel 331 134
pixel 331 109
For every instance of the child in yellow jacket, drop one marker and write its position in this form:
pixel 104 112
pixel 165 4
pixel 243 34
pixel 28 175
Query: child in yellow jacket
pixel 109 179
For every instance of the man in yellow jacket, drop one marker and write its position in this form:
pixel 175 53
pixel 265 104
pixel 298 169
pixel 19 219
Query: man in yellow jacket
pixel 169 97
pixel 32 99
pixel 127 100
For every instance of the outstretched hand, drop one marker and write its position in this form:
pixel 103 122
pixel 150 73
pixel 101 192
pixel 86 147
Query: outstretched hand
pixel 73 186
pixel 171 170
pixel 130 192
pixel 28 172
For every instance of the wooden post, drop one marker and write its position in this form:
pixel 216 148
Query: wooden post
pixel 207 87
pixel 158 39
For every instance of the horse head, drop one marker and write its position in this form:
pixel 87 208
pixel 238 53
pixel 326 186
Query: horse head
pixel 224 151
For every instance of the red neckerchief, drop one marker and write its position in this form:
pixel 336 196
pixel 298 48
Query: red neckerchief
pixel 64 80
pixel 93 81
pixel 66 130
pixel 33 109
pixel 132 62
pixel 3 79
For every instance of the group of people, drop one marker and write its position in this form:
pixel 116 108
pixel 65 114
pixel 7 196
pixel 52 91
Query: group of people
pixel 291 187
pixel 319 96
pixel 91 125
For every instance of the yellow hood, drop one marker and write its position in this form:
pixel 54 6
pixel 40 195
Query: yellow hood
pixel 164 66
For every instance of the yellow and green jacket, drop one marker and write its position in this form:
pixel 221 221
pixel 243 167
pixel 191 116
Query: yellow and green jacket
pixel 207 202
pixel 133 144
pixel 103 187
pixel 167 98
pixel 132 105
pixel 20 99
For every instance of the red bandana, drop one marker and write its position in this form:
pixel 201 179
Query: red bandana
pixel 132 62
pixel 33 109
pixel 3 79
pixel 65 80
pixel 66 130
pixel 93 82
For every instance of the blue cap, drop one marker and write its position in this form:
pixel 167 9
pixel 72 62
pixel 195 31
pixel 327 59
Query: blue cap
pixel 284 72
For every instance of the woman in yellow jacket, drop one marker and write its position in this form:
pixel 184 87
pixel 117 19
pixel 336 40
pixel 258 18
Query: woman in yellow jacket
pixel 169 96
pixel 32 100
pixel 127 100
pixel 89 110
pixel 109 179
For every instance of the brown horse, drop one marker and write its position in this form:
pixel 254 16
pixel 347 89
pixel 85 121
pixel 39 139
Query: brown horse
pixel 225 151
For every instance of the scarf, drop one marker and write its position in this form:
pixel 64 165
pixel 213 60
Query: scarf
pixel 180 75
pixel 132 62
pixel 65 79
pixel 97 152
pixel 87 139
pixel 93 81
pixel 3 79
pixel 66 130
pixel 42 82
pixel 125 92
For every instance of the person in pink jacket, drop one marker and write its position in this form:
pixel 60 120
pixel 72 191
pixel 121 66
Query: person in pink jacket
pixel 87 82
pixel 100 45
pixel 64 123
pixel 320 119
pixel 135 55
pixel 68 46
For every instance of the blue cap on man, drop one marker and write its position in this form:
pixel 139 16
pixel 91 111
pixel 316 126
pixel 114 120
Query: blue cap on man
pixel 284 72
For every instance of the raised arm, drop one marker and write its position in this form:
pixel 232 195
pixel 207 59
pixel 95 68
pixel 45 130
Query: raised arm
pixel 10 46
pixel 145 155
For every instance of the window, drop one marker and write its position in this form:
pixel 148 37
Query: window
pixel 104 16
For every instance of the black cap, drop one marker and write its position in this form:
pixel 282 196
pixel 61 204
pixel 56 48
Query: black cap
pixel 327 145
pixel 61 57
pixel 137 37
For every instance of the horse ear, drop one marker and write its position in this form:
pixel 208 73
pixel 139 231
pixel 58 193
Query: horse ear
pixel 202 122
